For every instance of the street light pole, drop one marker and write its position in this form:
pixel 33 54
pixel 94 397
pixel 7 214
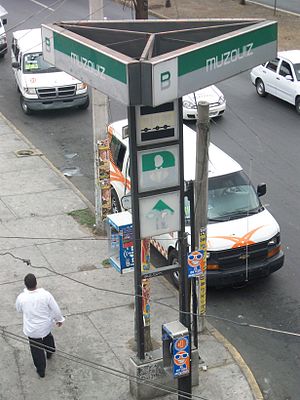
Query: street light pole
pixel 100 121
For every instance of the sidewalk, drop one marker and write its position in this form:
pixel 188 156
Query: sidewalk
pixel 35 200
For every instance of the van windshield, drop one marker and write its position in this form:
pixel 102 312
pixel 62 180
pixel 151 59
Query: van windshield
pixel 230 197
pixel 34 63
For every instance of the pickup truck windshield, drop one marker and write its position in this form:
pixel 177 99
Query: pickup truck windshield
pixel 230 196
pixel 34 63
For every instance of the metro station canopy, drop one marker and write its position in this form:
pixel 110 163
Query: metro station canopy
pixel 151 62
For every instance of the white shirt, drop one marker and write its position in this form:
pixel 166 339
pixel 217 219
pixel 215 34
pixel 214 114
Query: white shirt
pixel 40 312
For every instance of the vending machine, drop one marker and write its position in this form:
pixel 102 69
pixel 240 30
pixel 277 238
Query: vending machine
pixel 120 241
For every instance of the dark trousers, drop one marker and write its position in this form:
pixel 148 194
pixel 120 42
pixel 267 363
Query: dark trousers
pixel 38 354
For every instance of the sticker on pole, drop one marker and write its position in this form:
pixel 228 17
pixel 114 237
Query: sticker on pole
pixel 181 356
pixel 196 263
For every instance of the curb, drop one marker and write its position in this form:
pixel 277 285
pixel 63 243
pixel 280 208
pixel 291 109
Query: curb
pixel 255 389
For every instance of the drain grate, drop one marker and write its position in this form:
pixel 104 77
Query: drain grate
pixel 28 153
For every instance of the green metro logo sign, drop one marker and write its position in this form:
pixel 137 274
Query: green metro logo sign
pixel 158 160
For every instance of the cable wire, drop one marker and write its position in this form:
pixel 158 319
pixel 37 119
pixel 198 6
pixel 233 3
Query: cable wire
pixel 104 368
pixel 158 302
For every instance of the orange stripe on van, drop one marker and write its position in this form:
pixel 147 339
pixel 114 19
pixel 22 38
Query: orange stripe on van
pixel 117 176
pixel 240 241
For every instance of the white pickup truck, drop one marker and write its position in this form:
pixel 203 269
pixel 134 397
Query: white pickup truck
pixel 41 85
pixel 3 38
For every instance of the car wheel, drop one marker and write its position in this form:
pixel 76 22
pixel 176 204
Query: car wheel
pixel 173 259
pixel 24 106
pixel 260 88
pixel 115 203
pixel 85 105
pixel 297 105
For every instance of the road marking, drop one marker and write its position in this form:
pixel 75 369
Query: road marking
pixel 42 5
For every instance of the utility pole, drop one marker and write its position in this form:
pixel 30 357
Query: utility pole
pixel 201 192
pixel 100 121
pixel 141 9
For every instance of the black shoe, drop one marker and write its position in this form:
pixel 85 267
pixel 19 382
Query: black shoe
pixel 49 355
pixel 41 374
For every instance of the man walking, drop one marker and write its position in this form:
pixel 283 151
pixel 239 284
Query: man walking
pixel 40 312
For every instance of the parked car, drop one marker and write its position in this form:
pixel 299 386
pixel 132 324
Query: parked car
pixel 280 77
pixel 211 94
pixel 3 38
pixel 41 85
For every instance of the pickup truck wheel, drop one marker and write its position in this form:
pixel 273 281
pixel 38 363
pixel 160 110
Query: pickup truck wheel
pixel 260 88
pixel 24 106
pixel 173 259
pixel 297 105
pixel 115 204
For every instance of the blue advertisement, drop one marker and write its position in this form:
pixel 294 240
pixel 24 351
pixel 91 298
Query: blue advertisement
pixel 181 356
pixel 196 263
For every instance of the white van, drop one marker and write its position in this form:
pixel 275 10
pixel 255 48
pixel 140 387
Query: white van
pixel 42 86
pixel 243 237
pixel 3 38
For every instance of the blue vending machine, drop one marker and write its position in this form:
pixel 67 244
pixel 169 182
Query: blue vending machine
pixel 120 241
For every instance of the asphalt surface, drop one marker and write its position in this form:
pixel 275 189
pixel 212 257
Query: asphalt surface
pixel 263 135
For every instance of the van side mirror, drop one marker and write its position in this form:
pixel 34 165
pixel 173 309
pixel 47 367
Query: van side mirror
pixel 15 64
pixel 289 78
pixel 4 21
pixel 261 189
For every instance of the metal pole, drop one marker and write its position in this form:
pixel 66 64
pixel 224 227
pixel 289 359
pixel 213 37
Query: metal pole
pixel 139 323
pixel 201 192
pixel 184 383
pixel 100 122
pixel 190 191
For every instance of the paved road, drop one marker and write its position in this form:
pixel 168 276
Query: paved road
pixel 263 135
pixel 288 5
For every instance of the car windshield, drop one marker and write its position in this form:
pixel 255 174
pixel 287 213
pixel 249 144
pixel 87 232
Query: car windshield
pixel 230 197
pixel 297 71
pixel 34 63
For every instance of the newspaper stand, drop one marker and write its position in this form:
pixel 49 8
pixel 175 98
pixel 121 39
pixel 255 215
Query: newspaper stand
pixel 120 241
pixel 176 349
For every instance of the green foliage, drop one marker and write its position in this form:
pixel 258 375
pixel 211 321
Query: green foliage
pixel 84 217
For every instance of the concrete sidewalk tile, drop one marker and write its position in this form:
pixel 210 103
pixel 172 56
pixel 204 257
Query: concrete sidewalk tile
pixel 14 270
pixel 75 255
pixel 30 181
pixel 226 383
pixel 10 142
pixel 10 384
pixel 5 212
pixel 62 201
pixel 9 162
pixel 46 229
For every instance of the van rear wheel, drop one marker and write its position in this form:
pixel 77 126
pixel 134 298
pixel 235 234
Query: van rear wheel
pixel 24 106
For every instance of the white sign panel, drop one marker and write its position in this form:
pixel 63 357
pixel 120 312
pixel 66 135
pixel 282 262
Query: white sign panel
pixel 165 81
pixel 158 168
pixel 157 124
pixel 159 214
